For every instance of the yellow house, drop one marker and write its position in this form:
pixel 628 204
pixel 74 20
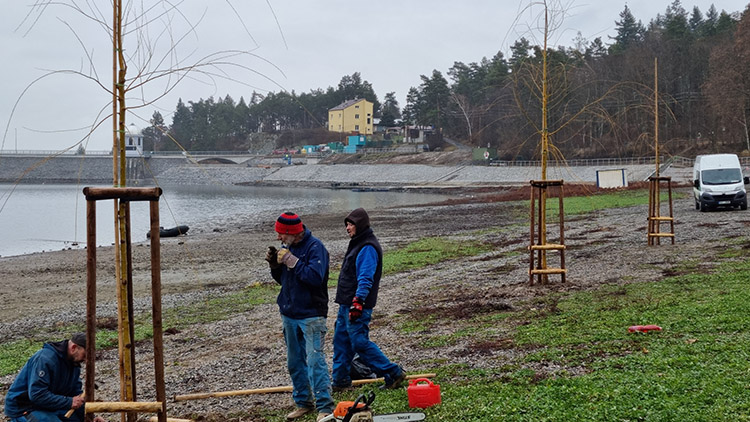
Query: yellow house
pixel 353 116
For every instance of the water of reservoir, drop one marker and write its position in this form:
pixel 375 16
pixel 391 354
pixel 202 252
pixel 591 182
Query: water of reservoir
pixel 36 218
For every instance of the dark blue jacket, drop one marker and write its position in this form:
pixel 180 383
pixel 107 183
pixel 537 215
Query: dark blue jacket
pixel 48 381
pixel 304 288
pixel 361 270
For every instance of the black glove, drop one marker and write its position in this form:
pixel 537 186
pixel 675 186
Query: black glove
pixel 355 311
pixel 271 257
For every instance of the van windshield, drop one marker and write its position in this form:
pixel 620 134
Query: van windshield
pixel 721 176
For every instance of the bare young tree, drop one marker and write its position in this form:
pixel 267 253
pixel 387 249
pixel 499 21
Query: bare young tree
pixel 161 46
pixel 552 97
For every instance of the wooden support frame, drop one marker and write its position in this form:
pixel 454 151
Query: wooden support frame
pixel 125 195
pixel 655 219
pixel 538 245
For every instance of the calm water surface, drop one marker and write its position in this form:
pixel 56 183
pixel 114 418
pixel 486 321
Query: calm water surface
pixel 35 218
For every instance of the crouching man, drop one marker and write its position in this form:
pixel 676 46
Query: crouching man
pixel 49 384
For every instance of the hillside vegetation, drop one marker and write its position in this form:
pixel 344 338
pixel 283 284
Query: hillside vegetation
pixel 601 101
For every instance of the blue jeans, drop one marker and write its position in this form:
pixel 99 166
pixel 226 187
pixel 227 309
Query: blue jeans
pixel 307 363
pixel 50 416
pixel 354 337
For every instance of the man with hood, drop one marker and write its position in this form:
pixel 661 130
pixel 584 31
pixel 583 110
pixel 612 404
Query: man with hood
pixel 301 268
pixel 49 384
pixel 357 294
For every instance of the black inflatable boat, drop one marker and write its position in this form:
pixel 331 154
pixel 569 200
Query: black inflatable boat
pixel 170 232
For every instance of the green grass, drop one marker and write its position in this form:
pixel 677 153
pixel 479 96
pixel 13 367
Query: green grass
pixel 575 205
pixel 106 338
pixel 15 353
pixel 423 252
pixel 410 325
pixel 220 308
pixel 429 251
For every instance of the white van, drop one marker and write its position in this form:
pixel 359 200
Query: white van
pixel 718 182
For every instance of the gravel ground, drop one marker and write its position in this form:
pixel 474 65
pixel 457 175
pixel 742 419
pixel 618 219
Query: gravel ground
pixel 41 291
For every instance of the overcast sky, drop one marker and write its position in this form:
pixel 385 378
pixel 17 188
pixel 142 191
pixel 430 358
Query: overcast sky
pixel 296 45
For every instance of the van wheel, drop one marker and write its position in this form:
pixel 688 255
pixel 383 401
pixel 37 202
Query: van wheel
pixel 697 205
pixel 743 205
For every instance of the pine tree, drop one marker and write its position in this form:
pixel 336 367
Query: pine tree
pixel 629 32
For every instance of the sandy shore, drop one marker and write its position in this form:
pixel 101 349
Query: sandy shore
pixel 41 291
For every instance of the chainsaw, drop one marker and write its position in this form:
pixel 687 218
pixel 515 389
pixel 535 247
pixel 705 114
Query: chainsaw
pixel 360 411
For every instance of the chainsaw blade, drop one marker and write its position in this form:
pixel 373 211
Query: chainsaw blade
pixel 398 417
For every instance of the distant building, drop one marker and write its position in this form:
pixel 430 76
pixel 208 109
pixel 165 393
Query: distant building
pixel 353 116
pixel 133 141
pixel 417 134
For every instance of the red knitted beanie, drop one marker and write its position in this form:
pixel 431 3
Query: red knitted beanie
pixel 289 223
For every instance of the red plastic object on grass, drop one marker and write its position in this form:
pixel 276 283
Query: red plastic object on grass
pixel 643 328
pixel 423 393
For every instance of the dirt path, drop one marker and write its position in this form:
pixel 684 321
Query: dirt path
pixel 246 351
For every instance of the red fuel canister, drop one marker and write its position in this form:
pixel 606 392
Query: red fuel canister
pixel 423 393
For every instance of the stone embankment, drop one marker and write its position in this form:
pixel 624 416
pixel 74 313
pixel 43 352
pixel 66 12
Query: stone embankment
pixel 395 175
pixel 179 170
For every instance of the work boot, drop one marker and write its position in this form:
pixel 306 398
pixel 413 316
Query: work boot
pixel 298 413
pixel 397 380
pixel 322 416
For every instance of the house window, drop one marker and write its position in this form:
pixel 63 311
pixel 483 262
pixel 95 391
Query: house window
pixel 356 127
pixel 368 120
pixel 356 116
pixel 356 106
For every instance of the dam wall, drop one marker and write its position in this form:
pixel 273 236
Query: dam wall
pixel 39 169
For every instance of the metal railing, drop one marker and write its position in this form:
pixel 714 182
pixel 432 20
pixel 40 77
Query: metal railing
pixel 665 162
pixel 194 153
pixel 675 161
pixel 48 153
pixel 582 162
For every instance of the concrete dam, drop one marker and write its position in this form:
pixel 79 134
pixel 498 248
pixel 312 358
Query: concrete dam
pixel 88 169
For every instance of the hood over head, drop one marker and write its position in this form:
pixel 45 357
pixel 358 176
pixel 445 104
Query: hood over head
pixel 359 218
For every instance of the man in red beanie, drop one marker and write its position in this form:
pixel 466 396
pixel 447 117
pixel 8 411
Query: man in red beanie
pixel 301 267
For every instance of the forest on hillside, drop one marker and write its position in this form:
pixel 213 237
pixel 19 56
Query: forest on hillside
pixel 601 96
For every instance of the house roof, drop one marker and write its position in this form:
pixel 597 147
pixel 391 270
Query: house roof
pixel 347 104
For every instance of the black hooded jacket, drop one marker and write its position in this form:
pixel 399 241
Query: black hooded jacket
pixel 347 285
